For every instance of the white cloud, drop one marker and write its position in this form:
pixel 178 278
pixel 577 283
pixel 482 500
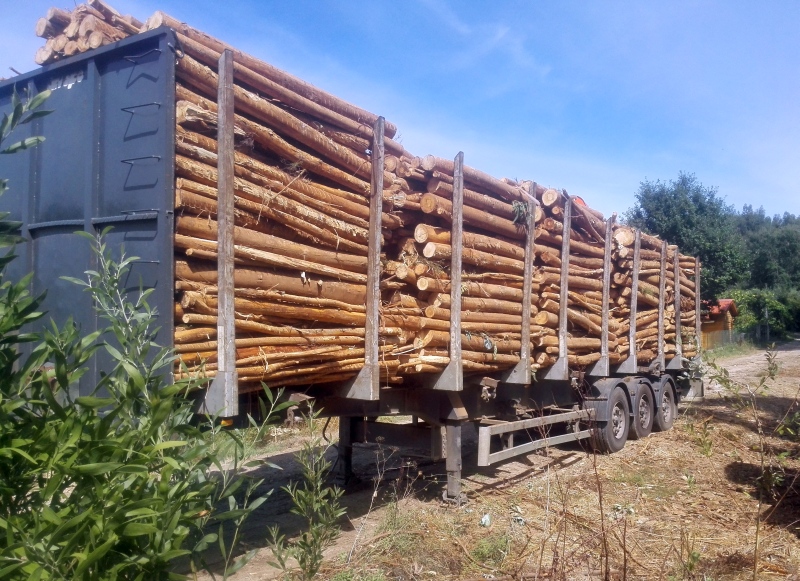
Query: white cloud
pixel 447 16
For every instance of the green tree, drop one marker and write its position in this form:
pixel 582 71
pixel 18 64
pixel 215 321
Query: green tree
pixel 697 219
pixel 773 245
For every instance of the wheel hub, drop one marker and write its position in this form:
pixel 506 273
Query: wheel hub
pixel 666 406
pixel 618 421
pixel 644 414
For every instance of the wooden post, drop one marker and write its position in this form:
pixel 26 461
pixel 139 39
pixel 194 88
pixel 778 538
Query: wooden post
pixel 630 365
pixel 521 372
pixel 601 367
pixel 560 369
pixel 222 397
pixel 366 385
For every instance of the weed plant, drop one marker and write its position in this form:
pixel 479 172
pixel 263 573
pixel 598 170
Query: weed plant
pixel 319 506
pixel 123 482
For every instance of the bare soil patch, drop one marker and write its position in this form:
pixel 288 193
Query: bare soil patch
pixel 677 505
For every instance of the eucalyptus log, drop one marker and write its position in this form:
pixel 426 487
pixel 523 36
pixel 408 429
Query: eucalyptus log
pixel 424 233
pixel 485 260
pixel 207 229
pixel 261 278
pixel 432 204
pixel 365 119
pixel 276 206
pixel 474 199
pixel 477 177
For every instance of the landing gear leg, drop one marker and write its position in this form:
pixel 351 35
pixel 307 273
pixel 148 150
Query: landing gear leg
pixel 453 462
pixel 345 446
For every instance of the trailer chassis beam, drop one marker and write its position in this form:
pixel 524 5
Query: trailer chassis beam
pixel 485 433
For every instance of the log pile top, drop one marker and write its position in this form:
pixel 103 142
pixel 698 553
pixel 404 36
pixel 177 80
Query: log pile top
pixel 539 276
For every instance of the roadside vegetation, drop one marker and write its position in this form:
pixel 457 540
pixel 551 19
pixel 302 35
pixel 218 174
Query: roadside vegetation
pixel 747 256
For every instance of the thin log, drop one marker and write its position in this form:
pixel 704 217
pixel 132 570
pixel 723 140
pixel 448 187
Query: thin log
pixel 275 205
pixel 484 260
pixel 474 199
pixel 432 204
pixel 477 177
pixel 479 304
pixel 207 229
pixel 424 233
pixel 263 257
pixel 267 279
pixel 473 316
pixel 365 119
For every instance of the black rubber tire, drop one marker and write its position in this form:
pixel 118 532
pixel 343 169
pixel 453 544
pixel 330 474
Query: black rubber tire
pixel 667 409
pixel 643 413
pixel 610 436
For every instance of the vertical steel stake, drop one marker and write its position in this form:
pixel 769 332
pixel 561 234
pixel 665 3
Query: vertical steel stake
pixel 662 291
pixel 366 385
pixel 222 397
pixel 521 372
pixel 452 377
pixel 560 370
pixel 601 367
pixel 698 328
pixel 631 365
pixel 676 362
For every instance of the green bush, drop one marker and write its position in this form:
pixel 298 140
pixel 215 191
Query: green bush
pixel 758 307
pixel 318 505
pixel 126 481
pixel 120 483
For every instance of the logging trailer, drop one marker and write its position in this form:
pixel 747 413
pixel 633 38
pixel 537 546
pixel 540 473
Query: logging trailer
pixel 110 160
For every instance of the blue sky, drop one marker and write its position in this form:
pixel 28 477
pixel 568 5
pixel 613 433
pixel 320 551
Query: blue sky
pixel 589 96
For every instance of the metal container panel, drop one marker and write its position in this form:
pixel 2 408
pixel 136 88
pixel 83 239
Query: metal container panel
pixel 108 160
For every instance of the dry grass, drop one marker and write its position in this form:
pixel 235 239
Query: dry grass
pixel 676 505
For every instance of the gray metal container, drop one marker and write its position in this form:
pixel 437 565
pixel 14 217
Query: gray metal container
pixel 108 160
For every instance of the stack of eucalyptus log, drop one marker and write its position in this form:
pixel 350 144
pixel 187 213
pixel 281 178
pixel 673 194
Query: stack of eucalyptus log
pixel 493 250
pixel 87 27
pixel 303 168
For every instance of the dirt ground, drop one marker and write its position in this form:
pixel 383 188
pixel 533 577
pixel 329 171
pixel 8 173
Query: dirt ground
pixel 691 503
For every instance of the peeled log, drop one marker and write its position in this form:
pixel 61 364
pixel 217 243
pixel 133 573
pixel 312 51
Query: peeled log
pixel 484 260
pixel 481 179
pixel 474 316
pixel 302 88
pixel 207 228
pixel 278 310
pixel 432 204
pixel 206 80
pixel 575 246
pixel 250 171
pixel 425 233
pixel 272 259
pixel 546 319
pixel 473 289
pixel 474 199
pixel 479 304
pixel 276 205
pixel 471 342
pixel 256 278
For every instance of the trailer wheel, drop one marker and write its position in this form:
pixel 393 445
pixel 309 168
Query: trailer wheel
pixel 667 411
pixel 643 413
pixel 610 435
